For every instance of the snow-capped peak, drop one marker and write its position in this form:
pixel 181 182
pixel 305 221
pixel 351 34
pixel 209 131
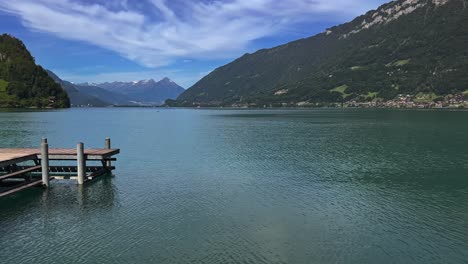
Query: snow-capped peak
pixel 165 79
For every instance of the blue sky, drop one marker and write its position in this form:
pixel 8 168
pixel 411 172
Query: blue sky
pixel 124 40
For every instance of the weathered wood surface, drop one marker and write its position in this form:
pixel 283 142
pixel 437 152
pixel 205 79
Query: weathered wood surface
pixel 22 186
pixel 59 169
pixel 20 172
pixel 14 155
pixel 57 151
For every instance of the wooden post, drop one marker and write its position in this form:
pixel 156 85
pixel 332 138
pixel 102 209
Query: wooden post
pixel 81 194
pixel 108 146
pixel 108 143
pixel 45 162
pixel 81 162
pixel 44 140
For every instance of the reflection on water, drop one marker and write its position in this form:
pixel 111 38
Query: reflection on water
pixel 64 195
pixel 101 195
pixel 243 186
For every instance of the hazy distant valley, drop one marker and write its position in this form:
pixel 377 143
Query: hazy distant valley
pixel 136 93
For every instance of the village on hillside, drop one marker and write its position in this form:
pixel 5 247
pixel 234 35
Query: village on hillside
pixel 410 101
pixel 456 101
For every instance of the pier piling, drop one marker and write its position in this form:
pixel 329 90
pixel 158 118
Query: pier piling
pixel 81 163
pixel 45 162
pixel 108 146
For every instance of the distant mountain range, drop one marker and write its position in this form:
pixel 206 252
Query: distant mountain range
pixel 146 92
pixel 77 98
pixel 109 97
pixel 417 47
pixel 138 93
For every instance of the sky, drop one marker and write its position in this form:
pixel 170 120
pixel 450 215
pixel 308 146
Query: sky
pixel 127 40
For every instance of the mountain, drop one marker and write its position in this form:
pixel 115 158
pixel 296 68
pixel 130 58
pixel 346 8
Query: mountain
pixel 403 47
pixel 77 98
pixel 22 82
pixel 120 93
pixel 91 95
pixel 147 92
pixel 111 98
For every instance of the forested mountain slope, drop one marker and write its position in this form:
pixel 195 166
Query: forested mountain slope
pixel 22 82
pixel 403 47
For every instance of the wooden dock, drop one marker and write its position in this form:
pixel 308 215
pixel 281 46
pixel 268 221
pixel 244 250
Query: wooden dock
pixel 29 167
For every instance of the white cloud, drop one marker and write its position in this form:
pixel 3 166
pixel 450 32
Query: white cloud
pixel 163 33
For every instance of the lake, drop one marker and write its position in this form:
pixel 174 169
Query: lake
pixel 246 186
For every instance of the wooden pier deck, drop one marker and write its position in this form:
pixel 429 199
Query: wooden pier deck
pixel 16 174
pixel 15 155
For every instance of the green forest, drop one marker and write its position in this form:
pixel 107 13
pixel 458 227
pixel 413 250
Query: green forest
pixel 22 82
pixel 423 52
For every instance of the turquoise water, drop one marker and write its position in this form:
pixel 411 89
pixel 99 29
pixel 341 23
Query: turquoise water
pixel 247 186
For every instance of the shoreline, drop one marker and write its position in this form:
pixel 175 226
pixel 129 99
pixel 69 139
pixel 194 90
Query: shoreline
pixel 236 108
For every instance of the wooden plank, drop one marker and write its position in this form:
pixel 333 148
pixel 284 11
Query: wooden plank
pixel 13 156
pixel 111 153
pixel 88 178
pixel 73 157
pixel 97 174
pixel 21 187
pixel 90 154
pixel 13 159
pixel 20 172
pixel 56 151
pixel 69 169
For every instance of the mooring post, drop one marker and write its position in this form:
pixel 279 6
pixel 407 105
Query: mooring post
pixel 45 162
pixel 80 157
pixel 108 146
